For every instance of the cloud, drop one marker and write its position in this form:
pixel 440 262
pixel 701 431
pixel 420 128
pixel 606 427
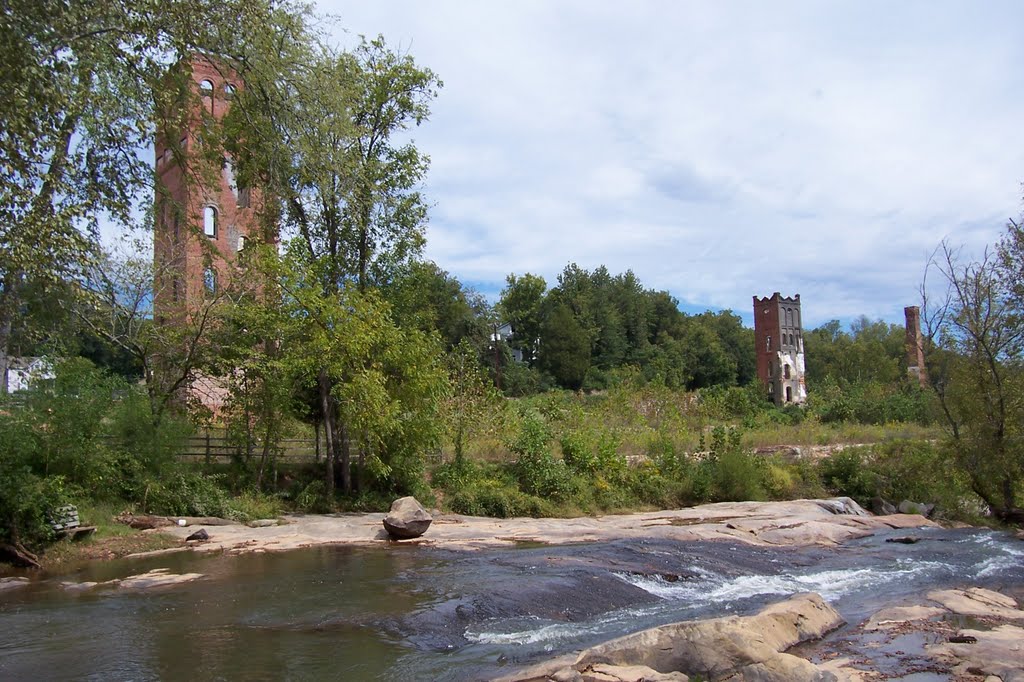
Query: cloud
pixel 718 150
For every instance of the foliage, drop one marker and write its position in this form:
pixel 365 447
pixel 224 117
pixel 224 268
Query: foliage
pixel 539 472
pixel 976 369
pixel 520 305
pixel 80 80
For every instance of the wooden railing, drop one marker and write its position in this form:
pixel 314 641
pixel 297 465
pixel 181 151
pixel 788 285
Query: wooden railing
pixel 213 446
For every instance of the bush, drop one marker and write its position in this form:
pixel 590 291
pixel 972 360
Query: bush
pixel 539 472
pixel 186 493
pixel 847 473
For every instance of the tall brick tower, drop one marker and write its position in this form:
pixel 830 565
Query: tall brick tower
pixel 202 217
pixel 779 342
pixel 915 346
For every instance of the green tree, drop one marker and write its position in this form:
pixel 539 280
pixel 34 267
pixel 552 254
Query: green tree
pixel 980 383
pixel 323 144
pixel 564 347
pixel 521 305
pixel 80 79
pixel 470 399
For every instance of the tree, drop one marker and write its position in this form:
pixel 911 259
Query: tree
pixel 80 79
pixel 114 302
pixel 467 404
pixel 424 296
pixel 565 347
pixel 520 305
pixel 976 332
pixel 323 142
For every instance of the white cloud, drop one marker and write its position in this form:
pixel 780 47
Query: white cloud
pixel 720 150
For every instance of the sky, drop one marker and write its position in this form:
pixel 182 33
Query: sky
pixel 720 150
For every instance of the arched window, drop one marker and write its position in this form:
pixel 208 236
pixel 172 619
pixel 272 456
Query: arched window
pixel 206 87
pixel 785 371
pixel 210 280
pixel 789 394
pixel 241 242
pixel 768 344
pixel 229 90
pixel 210 221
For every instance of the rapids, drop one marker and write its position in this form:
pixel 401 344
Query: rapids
pixel 430 614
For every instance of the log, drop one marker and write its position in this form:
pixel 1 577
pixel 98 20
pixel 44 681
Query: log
pixel 144 522
pixel 19 556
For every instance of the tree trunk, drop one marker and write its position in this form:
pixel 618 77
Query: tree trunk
pixel 329 433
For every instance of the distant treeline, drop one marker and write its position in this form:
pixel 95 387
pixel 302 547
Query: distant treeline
pixel 593 328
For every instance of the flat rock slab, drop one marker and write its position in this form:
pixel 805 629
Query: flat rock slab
pixel 748 647
pixel 9 584
pixel 792 523
pixel 975 601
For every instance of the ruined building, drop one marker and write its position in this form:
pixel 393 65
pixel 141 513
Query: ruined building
pixel 915 346
pixel 779 343
pixel 202 217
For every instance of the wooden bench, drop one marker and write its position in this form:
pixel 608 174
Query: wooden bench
pixel 65 523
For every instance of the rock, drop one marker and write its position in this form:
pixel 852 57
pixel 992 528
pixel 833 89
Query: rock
pixel 908 507
pixel 719 647
pixel 407 519
pixel 631 673
pixel 994 652
pixel 12 583
pixel 977 601
pixel 262 523
pixel 880 507
pixel 842 505
pixel 785 668
pixel 905 540
pixel 896 616
pixel 158 577
pixel 199 536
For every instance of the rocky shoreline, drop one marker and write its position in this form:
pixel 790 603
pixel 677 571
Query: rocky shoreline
pixel 794 523
pixel 918 641
pixel 963 634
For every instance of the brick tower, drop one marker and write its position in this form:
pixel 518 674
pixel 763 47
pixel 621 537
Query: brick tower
pixel 915 346
pixel 202 217
pixel 779 343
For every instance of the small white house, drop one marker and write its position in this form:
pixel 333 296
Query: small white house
pixel 22 371
pixel 504 332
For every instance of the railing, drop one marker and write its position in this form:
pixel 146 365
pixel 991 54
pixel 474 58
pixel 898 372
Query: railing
pixel 217 447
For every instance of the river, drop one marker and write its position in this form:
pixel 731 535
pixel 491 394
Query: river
pixel 416 613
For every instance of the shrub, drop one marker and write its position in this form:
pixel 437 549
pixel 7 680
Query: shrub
pixel 847 473
pixel 539 472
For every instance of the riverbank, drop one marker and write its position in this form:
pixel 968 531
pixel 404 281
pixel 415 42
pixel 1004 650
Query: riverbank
pixel 793 523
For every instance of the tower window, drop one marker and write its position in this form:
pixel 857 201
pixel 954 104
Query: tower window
pixel 210 221
pixel 785 370
pixel 789 394
pixel 768 344
pixel 210 280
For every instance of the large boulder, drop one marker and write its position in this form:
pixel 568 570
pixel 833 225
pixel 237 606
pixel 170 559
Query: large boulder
pixel 922 508
pixel 407 519
pixel 718 648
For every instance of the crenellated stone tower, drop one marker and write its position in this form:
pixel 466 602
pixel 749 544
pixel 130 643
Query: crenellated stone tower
pixel 779 343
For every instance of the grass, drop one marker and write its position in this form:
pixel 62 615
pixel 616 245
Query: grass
pixel 112 540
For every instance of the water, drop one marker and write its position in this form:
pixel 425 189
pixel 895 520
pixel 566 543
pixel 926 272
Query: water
pixel 425 614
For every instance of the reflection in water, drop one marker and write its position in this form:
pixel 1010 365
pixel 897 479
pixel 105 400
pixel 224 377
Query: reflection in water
pixel 415 613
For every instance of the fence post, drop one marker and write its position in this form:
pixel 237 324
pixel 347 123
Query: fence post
pixel 207 445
